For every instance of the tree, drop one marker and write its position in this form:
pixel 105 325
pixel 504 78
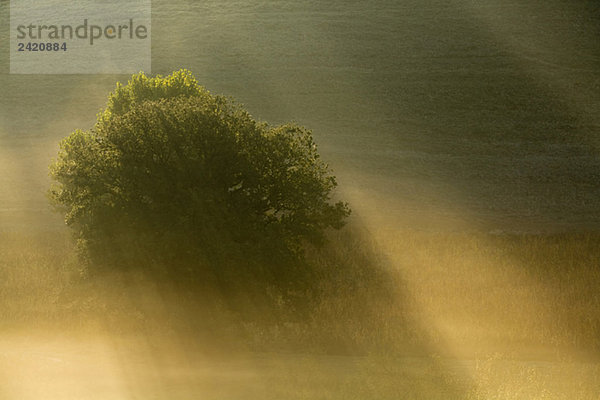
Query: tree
pixel 170 169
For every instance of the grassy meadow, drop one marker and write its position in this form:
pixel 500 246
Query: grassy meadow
pixel 469 316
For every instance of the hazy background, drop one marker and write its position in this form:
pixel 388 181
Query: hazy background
pixel 437 114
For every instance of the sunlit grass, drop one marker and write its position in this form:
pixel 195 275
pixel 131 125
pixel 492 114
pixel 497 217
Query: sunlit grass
pixel 521 312
pixel 516 292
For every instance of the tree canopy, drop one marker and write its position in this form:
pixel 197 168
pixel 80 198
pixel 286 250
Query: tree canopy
pixel 175 169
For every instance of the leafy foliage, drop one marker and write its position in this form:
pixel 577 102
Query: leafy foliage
pixel 175 169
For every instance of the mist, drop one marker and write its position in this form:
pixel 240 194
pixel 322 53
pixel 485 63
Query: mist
pixel 464 137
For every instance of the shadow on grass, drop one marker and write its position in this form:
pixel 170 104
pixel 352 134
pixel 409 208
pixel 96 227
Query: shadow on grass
pixel 349 331
pixel 343 327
